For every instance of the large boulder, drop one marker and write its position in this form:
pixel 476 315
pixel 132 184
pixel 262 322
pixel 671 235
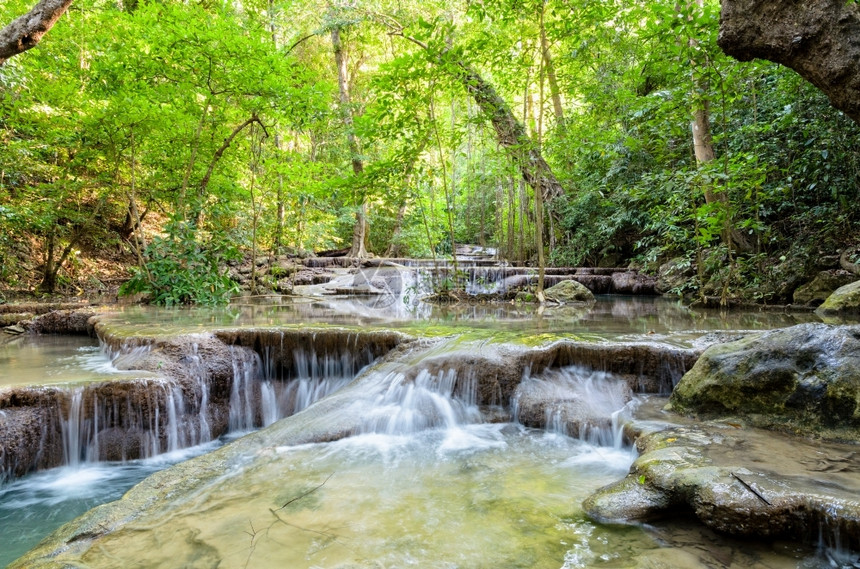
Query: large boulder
pixel 822 286
pixel 569 291
pixel 741 481
pixel 845 299
pixel 803 379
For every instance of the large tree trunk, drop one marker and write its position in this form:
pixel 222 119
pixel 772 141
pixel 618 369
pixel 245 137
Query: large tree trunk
pixel 26 31
pixel 359 231
pixel 820 39
pixel 510 133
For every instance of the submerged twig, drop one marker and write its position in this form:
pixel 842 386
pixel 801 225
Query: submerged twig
pixel 309 492
pixel 751 489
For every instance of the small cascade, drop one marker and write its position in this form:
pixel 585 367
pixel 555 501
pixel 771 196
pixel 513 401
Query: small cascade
pixel 431 400
pixel 575 401
pixel 139 421
pixel 245 390
pixel 838 540
pixel 74 430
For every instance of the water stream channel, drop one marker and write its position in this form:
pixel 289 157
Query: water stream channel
pixel 347 450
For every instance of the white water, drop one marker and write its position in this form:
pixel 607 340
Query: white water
pixel 403 407
pixel 172 420
pixel 589 405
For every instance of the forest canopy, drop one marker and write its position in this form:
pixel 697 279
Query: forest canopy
pixel 180 135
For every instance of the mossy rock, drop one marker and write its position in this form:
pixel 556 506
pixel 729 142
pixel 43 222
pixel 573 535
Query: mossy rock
pixel 803 379
pixel 822 286
pixel 526 297
pixel 845 299
pixel 569 291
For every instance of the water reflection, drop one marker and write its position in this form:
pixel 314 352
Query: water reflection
pixel 609 317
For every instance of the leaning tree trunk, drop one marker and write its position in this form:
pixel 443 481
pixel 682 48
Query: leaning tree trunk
pixel 816 38
pixel 359 231
pixel 26 31
pixel 510 133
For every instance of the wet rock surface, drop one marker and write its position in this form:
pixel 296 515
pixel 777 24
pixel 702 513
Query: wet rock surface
pixel 844 300
pixel 804 379
pixel 740 481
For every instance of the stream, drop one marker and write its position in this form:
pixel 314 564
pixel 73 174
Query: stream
pixel 430 477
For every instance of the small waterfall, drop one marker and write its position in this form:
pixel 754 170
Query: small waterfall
pixel 440 400
pixel 74 430
pixel 245 390
pixel 838 543
pixel 578 402
pixel 269 409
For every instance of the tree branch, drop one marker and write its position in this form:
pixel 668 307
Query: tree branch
pixel 218 153
pixel 26 31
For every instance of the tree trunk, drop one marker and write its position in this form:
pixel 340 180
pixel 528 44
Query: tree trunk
pixel 703 148
pixel 554 91
pixel 510 133
pixel 394 244
pixel 359 231
pixel 26 31
pixel 52 267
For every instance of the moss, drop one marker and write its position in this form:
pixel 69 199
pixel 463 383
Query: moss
pixel 845 299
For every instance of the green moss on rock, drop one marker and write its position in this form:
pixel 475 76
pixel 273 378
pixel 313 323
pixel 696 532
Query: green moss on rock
pixel 802 379
pixel 845 299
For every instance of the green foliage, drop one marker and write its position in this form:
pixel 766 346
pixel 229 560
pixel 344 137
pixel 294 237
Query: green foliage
pixel 120 107
pixel 181 269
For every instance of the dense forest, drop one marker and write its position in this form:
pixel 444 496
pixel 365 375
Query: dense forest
pixel 147 139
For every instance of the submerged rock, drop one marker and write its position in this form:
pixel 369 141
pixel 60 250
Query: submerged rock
pixel 804 379
pixel 572 400
pixel 845 299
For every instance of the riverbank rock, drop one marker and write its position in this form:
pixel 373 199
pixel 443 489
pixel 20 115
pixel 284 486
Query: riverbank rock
pixel 740 481
pixel 569 291
pixel 803 379
pixel 77 322
pixel 673 274
pixel 844 300
pixel 822 286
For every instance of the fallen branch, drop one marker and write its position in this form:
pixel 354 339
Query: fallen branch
pixel 751 489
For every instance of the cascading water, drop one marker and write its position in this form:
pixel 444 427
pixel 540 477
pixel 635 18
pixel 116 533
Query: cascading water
pixel 575 401
pixel 440 400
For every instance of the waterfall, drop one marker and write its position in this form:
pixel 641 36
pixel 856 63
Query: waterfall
pixel 430 400
pixel 74 429
pixel 588 405
pixel 245 390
